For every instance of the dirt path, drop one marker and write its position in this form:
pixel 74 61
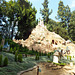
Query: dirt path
pixel 47 71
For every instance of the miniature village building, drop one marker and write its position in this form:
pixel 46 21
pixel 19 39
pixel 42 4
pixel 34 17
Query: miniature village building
pixel 56 57
pixel 67 50
pixel 6 46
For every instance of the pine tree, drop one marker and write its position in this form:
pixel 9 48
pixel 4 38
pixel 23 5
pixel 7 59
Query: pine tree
pixel 5 61
pixel 16 56
pixel 20 57
pixel 63 15
pixel 71 26
pixel 0 60
pixel 45 12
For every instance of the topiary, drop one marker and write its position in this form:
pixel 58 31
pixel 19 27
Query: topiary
pixel 0 60
pixel 20 57
pixel 37 57
pixel 14 50
pixel 67 57
pixel 16 56
pixel 1 48
pixel 48 55
pixel 70 57
pixel 5 63
pixel 11 50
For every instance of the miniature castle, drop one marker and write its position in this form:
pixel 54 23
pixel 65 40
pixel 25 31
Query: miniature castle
pixel 41 23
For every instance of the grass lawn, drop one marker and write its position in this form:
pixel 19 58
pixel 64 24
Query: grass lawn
pixel 14 67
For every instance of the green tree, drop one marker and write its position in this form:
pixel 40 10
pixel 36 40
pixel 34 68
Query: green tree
pixel 26 16
pixel 37 57
pixel 48 55
pixel 51 24
pixel 63 15
pixel 61 31
pixel 16 56
pixel 20 57
pixel 71 27
pixel 1 48
pixel 11 50
pixel 0 60
pixel 45 11
pixel 5 61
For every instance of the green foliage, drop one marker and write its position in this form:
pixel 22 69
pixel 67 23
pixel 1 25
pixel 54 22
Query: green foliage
pixel 74 42
pixel 14 50
pixel 70 57
pixel 62 32
pixel 16 56
pixel 71 26
pixel 0 39
pixel 0 60
pixel 67 57
pixel 37 57
pixel 62 64
pixel 11 50
pixel 63 15
pixel 45 11
pixel 20 57
pixel 48 55
pixel 1 48
pixel 49 61
pixel 5 63
pixel 51 24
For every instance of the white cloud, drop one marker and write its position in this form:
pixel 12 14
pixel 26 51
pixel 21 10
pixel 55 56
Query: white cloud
pixel 72 5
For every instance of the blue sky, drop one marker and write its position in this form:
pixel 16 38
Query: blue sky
pixel 53 4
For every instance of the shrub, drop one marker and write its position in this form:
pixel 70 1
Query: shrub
pixel 57 63
pixel 0 60
pixel 62 64
pixel 48 55
pixel 49 61
pixel 67 57
pixel 16 56
pixel 1 48
pixel 11 50
pixel 5 61
pixel 70 57
pixel 14 50
pixel 20 57
pixel 74 42
pixel 37 57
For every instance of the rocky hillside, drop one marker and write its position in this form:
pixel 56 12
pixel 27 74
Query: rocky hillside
pixel 43 40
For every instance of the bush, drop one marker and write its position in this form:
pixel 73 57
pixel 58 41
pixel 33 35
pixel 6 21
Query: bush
pixel 67 57
pixel 48 55
pixel 14 50
pixel 74 42
pixel 20 57
pixel 5 61
pixel 49 61
pixel 0 60
pixel 11 50
pixel 62 64
pixel 16 56
pixel 1 48
pixel 37 57
pixel 70 57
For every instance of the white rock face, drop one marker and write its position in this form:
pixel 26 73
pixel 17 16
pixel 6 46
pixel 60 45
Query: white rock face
pixel 55 59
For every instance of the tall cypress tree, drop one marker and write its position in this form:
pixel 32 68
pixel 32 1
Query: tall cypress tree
pixel 63 15
pixel 71 26
pixel 45 11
